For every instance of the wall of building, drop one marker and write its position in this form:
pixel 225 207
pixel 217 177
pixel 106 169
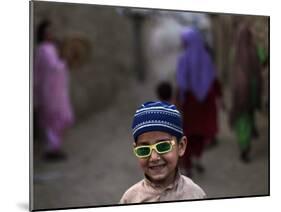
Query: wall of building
pixel 104 39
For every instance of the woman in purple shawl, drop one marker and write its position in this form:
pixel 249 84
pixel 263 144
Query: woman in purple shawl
pixel 198 89
pixel 51 98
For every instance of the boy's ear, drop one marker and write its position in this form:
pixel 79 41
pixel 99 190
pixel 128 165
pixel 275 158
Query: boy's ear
pixel 182 146
pixel 134 144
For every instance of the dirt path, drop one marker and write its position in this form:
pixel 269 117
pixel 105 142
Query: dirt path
pixel 101 166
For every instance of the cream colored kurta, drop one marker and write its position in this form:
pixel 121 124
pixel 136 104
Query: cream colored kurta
pixel 183 188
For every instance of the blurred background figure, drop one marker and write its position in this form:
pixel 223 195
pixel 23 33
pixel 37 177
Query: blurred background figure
pixel 246 89
pixel 198 90
pixel 163 44
pixel 51 98
pixel 164 91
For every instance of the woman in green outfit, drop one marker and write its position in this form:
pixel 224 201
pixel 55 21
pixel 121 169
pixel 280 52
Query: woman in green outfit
pixel 246 89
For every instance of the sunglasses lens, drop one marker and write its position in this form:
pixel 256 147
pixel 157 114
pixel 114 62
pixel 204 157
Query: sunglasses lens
pixel 163 147
pixel 143 151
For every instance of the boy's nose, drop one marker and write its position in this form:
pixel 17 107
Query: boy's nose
pixel 154 155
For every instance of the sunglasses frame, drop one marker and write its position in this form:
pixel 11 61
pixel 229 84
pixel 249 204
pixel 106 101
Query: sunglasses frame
pixel 153 147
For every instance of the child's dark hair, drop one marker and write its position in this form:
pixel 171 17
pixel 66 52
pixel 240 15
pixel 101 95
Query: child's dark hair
pixel 178 139
pixel 164 91
pixel 41 30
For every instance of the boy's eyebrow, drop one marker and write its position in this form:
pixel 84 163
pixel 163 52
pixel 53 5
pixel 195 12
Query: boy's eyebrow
pixel 164 139
pixel 155 141
pixel 143 143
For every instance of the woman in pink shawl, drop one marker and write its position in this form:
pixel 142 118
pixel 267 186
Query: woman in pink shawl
pixel 51 98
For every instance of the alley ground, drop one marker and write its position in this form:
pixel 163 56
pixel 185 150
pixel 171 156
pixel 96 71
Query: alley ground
pixel 101 165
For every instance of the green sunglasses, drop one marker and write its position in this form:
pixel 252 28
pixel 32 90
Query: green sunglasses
pixel 160 147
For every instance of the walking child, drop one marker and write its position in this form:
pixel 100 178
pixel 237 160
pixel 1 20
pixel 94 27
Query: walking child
pixel 164 91
pixel 51 92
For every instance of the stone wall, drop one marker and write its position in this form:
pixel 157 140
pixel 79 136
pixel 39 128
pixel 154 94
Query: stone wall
pixel 108 61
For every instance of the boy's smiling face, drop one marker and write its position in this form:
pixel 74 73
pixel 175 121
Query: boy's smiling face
pixel 161 168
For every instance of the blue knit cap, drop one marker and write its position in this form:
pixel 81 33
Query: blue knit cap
pixel 157 116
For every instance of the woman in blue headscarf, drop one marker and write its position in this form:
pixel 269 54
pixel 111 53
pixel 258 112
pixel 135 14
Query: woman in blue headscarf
pixel 198 89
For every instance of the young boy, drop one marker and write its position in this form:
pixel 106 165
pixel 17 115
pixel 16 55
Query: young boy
pixel 159 142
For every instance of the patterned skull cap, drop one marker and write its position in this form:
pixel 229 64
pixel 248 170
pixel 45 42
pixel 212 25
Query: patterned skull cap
pixel 157 116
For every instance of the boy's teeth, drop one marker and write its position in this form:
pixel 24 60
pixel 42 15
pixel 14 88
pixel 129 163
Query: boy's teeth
pixel 158 166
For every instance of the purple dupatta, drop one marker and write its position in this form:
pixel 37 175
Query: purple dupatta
pixel 195 70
